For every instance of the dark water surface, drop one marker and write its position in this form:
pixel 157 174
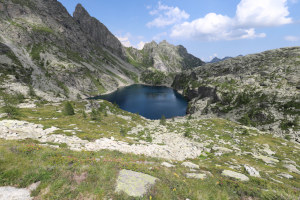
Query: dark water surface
pixel 149 101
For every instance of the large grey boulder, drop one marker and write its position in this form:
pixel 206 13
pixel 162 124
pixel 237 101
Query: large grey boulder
pixel 266 159
pixel 190 165
pixel 12 193
pixel 292 168
pixel 196 175
pixel 252 171
pixel 134 184
pixel 235 175
pixel 166 164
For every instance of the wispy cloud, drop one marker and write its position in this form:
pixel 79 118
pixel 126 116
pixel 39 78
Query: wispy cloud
pixel 291 38
pixel 167 15
pixel 158 37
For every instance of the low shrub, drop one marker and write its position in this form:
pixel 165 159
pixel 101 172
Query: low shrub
pixel 68 109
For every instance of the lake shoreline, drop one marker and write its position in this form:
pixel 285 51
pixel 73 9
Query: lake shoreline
pixel 149 101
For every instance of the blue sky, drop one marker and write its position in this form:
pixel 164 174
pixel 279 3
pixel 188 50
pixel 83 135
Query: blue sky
pixel 206 28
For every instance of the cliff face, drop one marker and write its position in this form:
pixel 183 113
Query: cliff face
pixel 97 32
pixel 163 57
pixel 64 56
pixel 261 90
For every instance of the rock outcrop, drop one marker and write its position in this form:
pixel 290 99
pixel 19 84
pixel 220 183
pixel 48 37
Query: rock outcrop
pixel 260 90
pixel 134 184
pixel 163 57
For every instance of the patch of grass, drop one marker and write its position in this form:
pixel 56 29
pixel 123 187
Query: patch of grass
pixel 287 124
pixel 27 3
pixel 97 83
pixel 133 76
pixel 14 58
pixel 42 29
pixel 154 77
pixel 36 50
pixel 10 104
pixel 63 86
pixel 292 107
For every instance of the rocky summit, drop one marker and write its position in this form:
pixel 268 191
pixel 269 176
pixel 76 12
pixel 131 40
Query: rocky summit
pixel 164 57
pixel 239 139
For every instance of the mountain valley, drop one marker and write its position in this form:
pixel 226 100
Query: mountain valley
pixel 240 138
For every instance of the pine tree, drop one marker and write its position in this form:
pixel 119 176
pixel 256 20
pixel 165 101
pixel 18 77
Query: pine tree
pixel 68 109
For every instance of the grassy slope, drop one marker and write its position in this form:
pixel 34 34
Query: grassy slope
pixel 25 162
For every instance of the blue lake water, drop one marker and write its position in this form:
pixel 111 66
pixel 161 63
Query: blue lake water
pixel 149 101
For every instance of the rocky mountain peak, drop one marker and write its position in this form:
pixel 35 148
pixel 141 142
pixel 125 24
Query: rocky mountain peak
pixel 164 42
pixel 164 57
pixel 80 12
pixel 97 32
pixel 150 45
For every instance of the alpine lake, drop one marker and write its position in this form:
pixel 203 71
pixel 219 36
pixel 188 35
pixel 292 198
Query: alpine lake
pixel 151 102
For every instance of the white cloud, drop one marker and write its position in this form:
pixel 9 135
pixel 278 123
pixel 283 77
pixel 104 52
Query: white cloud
pixel 250 14
pixel 166 15
pixel 262 13
pixel 125 41
pixel 213 56
pixel 213 27
pixel 159 36
pixel 291 38
pixel 141 45
pixel 127 38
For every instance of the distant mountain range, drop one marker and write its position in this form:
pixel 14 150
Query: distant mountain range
pixel 216 59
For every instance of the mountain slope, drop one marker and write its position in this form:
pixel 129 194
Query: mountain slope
pixel 163 57
pixel 72 57
pixel 260 90
pixel 64 56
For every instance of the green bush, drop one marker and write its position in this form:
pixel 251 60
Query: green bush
pixel 187 133
pixel 9 107
pixel 123 132
pixel 245 120
pixel 11 111
pixel 68 109
pixel 163 120
pixel 245 132
pixel 31 92
pixel 83 114
pixel 94 115
pixel 19 97
pixel 286 124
